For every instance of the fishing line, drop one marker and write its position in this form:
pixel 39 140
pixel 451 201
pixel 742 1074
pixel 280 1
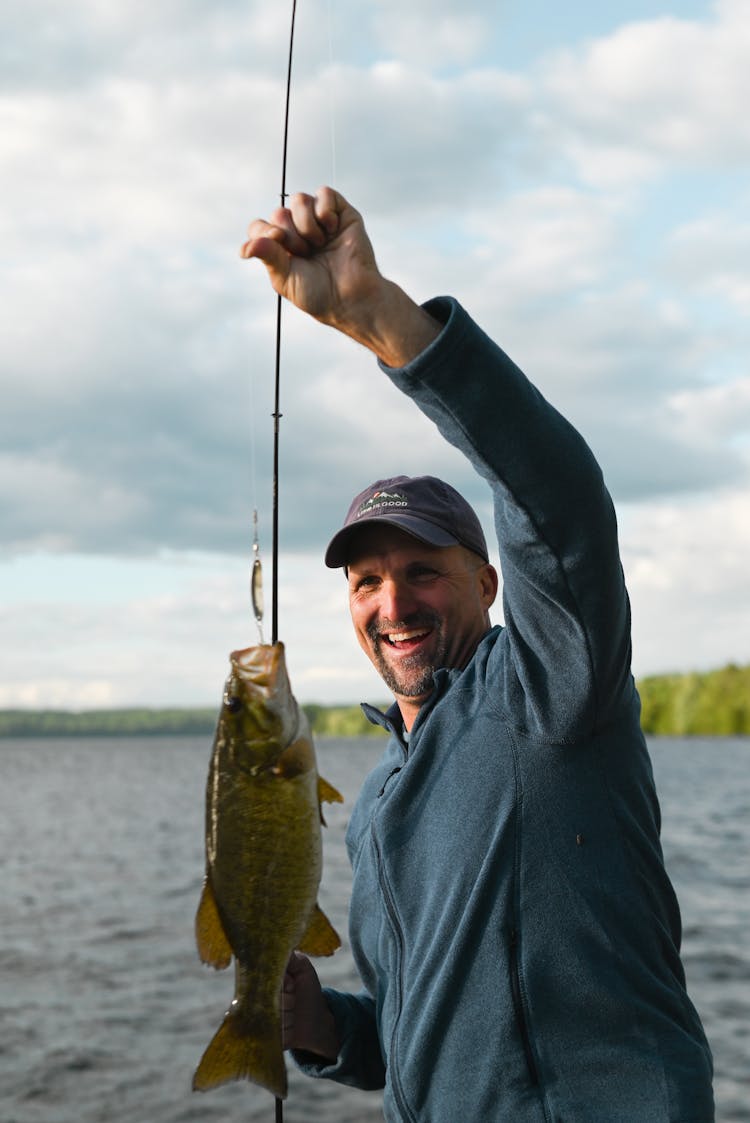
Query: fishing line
pixel 332 95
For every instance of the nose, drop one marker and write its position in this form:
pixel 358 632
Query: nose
pixel 397 601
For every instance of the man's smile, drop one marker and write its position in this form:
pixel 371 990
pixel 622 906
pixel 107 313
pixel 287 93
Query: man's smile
pixel 405 638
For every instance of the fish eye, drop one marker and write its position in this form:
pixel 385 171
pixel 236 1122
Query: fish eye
pixel 233 703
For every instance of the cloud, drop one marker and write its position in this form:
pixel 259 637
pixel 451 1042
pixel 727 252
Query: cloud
pixel 133 333
pixel 168 643
pixel 90 40
pixel 686 566
pixel 627 108
pixel 587 204
pixel 434 34
pixel 711 255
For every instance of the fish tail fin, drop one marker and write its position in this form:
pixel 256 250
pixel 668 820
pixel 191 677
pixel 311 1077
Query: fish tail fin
pixel 236 1052
pixel 321 938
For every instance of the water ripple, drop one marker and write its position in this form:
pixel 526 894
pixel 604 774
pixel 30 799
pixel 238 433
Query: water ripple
pixel 105 1006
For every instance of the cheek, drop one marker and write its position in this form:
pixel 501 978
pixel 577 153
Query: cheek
pixel 360 619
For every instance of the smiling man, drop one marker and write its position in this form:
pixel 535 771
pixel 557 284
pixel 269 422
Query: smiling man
pixel 420 582
pixel 514 927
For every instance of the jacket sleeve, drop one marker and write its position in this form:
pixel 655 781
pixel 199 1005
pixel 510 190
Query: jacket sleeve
pixel 567 619
pixel 360 1062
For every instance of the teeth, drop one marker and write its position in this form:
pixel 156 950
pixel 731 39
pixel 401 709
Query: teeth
pixel 400 637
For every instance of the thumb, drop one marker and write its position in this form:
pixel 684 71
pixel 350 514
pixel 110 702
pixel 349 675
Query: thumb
pixel 298 964
pixel 274 256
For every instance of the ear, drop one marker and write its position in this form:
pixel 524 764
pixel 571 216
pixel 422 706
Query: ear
pixel 488 584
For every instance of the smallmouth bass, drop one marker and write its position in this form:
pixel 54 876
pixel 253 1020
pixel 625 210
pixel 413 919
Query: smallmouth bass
pixel 263 864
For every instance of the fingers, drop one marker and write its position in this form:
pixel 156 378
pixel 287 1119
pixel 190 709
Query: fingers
pixel 297 968
pixel 301 228
pixel 274 241
pixel 287 1010
pixel 316 217
pixel 319 257
pixel 302 214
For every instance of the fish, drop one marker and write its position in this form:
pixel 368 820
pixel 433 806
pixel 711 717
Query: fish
pixel 263 864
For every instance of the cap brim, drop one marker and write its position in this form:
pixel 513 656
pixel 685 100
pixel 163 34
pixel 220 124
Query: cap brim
pixel 339 548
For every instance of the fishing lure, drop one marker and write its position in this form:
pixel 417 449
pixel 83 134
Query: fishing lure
pixel 256 580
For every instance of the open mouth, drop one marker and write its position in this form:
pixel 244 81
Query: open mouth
pixel 406 639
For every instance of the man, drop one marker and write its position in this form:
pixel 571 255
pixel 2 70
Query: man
pixel 513 924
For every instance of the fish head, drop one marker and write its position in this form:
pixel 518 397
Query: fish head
pixel 259 713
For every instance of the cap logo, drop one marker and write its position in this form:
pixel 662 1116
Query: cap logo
pixel 381 499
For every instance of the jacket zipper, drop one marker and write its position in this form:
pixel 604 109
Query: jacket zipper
pixel 523 1029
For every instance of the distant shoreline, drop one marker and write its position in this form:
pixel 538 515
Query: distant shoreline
pixel 136 721
pixel 712 704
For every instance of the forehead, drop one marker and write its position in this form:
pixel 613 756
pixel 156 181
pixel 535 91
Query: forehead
pixel 379 541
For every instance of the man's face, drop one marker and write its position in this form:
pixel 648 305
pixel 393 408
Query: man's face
pixel 416 608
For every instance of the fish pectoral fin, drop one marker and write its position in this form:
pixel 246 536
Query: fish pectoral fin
pixel 321 938
pixel 239 1052
pixel 213 946
pixel 327 793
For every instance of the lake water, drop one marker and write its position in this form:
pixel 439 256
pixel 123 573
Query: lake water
pixel 104 1006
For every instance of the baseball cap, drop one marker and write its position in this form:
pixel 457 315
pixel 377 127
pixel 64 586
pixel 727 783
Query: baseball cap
pixel 424 506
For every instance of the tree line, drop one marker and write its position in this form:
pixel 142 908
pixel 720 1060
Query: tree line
pixel 711 703
pixel 325 721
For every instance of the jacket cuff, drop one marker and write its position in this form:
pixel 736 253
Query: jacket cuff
pixel 359 1063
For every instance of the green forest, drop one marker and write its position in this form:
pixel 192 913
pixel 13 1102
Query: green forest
pixel 326 721
pixel 712 703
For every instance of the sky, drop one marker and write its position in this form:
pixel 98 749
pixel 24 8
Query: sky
pixel 577 175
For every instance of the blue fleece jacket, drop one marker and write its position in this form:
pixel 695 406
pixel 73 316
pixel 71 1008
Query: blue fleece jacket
pixel 514 928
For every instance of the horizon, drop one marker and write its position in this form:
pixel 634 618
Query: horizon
pixel 381 702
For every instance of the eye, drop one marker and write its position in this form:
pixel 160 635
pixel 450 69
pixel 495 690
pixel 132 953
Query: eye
pixel 232 703
pixel 365 583
pixel 422 574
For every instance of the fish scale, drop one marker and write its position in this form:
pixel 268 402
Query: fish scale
pixel 263 864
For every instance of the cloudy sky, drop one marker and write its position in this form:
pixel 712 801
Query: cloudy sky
pixel 578 175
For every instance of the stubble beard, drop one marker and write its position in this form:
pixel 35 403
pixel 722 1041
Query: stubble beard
pixel 413 676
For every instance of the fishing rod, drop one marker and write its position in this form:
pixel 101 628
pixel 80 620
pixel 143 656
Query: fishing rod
pixel 277 379
pixel 277 406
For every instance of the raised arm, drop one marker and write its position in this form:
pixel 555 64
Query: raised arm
pixel 566 609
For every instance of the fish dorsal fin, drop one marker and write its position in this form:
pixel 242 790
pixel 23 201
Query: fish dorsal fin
pixel 213 945
pixel 321 937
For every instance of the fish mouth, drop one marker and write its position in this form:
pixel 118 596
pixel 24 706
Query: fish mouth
pixel 258 699
pixel 261 667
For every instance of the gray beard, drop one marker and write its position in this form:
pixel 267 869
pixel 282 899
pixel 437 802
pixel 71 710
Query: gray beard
pixel 413 677
pixel 406 687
